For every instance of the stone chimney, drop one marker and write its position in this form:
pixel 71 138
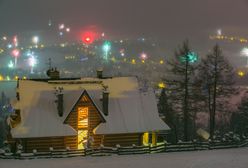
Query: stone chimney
pixel 99 73
pixel 53 73
pixel 60 101
pixel 105 102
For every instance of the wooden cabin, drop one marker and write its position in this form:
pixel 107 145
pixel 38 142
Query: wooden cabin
pixel 80 113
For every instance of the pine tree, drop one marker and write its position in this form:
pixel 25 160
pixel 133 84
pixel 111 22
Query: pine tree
pixel 239 119
pixel 169 116
pixel 181 86
pixel 216 76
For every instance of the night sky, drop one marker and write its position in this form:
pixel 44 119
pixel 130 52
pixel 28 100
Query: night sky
pixel 169 21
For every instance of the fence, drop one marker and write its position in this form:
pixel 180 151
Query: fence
pixel 105 151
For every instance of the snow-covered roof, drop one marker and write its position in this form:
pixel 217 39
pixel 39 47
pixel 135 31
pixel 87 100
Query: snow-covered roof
pixel 130 110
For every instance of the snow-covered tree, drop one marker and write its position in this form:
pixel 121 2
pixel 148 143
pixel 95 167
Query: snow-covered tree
pixel 239 119
pixel 170 117
pixel 216 76
pixel 182 69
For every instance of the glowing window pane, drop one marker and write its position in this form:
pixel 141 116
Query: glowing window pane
pixel 82 138
pixel 146 139
pixel 82 127
pixel 82 117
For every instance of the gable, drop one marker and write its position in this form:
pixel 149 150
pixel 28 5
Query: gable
pixel 95 116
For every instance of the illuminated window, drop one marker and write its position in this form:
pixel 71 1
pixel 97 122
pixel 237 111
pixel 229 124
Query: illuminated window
pixel 82 117
pixel 146 139
pixel 82 126
pixel 82 138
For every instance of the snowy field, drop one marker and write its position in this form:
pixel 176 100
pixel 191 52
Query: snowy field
pixel 230 158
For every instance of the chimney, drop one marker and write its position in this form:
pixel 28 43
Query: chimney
pixel 99 73
pixel 53 73
pixel 105 102
pixel 60 104
pixel 60 101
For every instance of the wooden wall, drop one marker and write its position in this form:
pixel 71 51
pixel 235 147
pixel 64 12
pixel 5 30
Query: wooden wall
pixel 122 139
pixel 43 144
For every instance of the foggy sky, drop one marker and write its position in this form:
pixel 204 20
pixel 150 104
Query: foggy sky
pixel 170 21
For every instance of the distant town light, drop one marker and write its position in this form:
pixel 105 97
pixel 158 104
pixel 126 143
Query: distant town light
pixel 241 73
pixel 244 52
pixel 161 85
pixel 9 46
pixel 35 39
pixel 61 26
pixel 133 61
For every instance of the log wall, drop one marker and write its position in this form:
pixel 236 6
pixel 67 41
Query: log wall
pixel 43 144
pixel 122 139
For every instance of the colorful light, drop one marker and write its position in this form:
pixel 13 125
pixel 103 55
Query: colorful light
pixel 61 26
pixel 15 53
pixel 9 46
pixel 161 62
pixel 35 40
pixel 1 78
pixel 161 85
pixel 106 48
pixel 122 52
pixel 133 61
pixel 49 23
pixel 15 41
pixel 10 65
pixel 7 78
pixel 241 73
pixel 113 59
pixel 244 52
pixel 88 37
pixel 32 61
pixel 219 32
pixel 143 56
pixel 191 57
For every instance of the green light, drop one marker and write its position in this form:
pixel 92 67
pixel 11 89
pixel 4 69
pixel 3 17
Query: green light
pixel 192 57
pixel 106 48
pixel 11 65
pixel 7 78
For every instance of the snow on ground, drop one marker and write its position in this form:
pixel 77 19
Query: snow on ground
pixel 229 158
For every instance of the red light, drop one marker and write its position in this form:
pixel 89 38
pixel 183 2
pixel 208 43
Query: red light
pixel 15 53
pixel 88 37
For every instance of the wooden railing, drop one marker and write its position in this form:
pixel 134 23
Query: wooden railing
pixel 131 150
